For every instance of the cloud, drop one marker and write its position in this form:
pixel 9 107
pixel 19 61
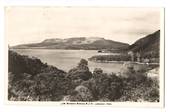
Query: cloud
pixel 33 24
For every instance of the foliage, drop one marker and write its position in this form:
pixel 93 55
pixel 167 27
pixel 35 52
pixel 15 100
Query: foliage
pixel 21 89
pixel 81 93
pixel 148 46
pixel 23 64
pixel 80 72
pixel 32 80
pixel 104 86
pixel 137 90
pixel 50 85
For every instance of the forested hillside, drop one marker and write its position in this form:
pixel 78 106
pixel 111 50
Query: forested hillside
pixel 148 46
pixel 146 49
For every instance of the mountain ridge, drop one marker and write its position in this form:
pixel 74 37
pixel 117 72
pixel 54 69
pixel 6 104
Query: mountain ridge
pixel 148 45
pixel 91 43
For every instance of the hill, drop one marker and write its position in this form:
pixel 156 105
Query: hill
pixel 147 46
pixel 146 49
pixel 92 43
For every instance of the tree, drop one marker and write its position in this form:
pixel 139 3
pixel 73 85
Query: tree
pixel 80 72
pixel 83 94
pixel 103 86
pixel 83 62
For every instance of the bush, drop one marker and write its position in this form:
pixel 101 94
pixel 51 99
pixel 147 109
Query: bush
pixel 31 80
pixel 139 89
pixel 103 86
pixel 50 85
pixel 22 89
pixel 23 64
pixel 80 72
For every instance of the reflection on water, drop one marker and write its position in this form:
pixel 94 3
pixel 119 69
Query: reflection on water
pixel 67 59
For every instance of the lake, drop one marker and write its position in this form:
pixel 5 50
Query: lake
pixel 67 59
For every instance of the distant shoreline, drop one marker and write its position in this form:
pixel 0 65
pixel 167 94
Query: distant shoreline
pixel 54 49
pixel 67 49
pixel 121 62
pixel 96 61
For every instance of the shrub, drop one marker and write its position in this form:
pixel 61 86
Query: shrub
pixel 83 94
pixel 31 80
pixel 22 89
pixel 23 64
pixel 52 86
pixel 80 72
pixel 139 89
pixel 104 86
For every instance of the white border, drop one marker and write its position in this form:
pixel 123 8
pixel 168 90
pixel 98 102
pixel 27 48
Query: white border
pixel 112 104
pixel 113 3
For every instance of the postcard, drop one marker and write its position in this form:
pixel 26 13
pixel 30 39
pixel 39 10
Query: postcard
pixel 87 56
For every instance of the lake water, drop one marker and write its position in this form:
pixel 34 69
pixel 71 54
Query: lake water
pixel 67 59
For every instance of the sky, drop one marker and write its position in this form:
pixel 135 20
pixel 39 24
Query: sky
pixel 35 24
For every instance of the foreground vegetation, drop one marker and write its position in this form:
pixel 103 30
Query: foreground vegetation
pixel 32 80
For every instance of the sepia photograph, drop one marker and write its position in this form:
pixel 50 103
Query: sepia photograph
pixel 85 54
